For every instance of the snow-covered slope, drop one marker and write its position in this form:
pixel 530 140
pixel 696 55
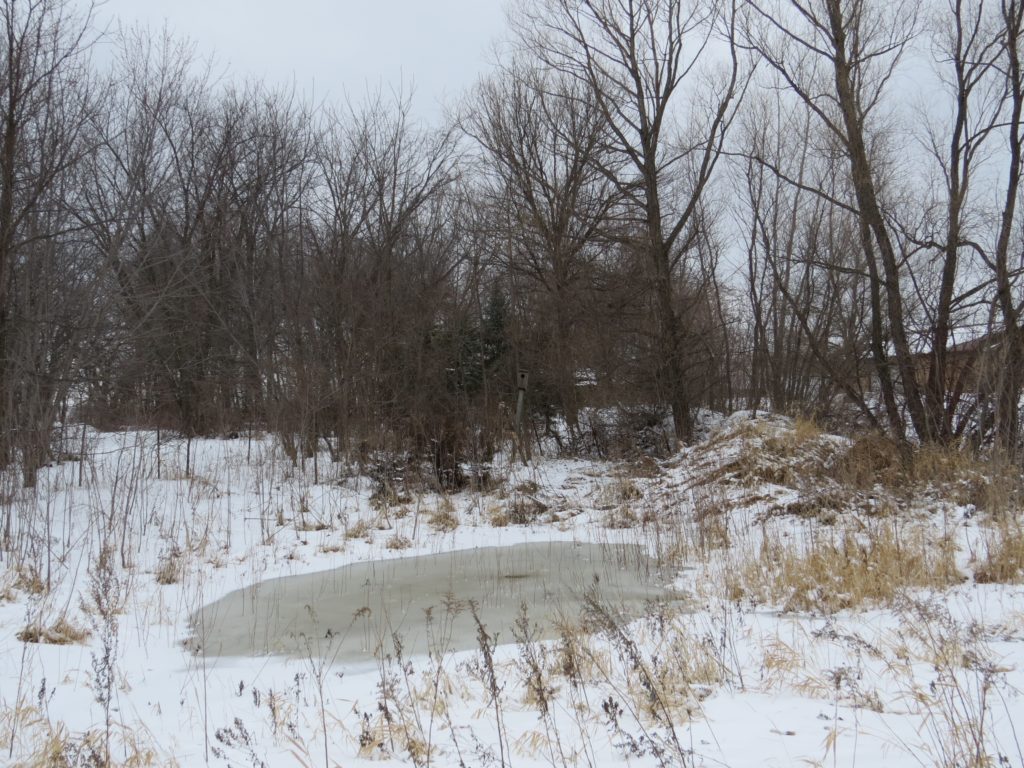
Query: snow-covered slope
pixel 837 607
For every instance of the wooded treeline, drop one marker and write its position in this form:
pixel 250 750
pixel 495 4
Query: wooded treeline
pixel 807 205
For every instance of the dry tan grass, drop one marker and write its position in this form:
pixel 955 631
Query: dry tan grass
pixel 387 498
pixel 711 518
pixel 645 467
pixel 42 743
pixel 398 541
pixel 802 438
pixel 828 503
pixel 527 487
pixel 965 691
pixel 950 473
pixel 620 517
pixel 169 567
pixel 806 428
pixel 200 487
pixel 443 518
pixel 520 510
pixel 311 526
pixel 498 516
pixel 621 490
pixel 361 529
pixel 20 579
pixel 1003 560
pixel 992 485
pixel 871 459
pixel 23 579
pixel 771 452
pixel 745 429
pixel 61 632
pixel 872 474
pixel 691 658
pixel 845 568
pixel 575 658
pixel 616 500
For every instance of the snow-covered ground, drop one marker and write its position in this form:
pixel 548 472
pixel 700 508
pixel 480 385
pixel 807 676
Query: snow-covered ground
pixel 824 621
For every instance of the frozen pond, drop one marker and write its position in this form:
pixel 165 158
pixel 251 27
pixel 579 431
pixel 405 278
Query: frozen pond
pixel 347 614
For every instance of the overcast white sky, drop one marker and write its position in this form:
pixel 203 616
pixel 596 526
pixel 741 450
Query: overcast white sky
pixel 334 47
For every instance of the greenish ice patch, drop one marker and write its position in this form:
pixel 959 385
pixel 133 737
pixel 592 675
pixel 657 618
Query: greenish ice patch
pixel 354 613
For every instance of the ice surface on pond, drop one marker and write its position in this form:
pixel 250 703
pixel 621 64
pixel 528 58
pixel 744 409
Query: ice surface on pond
pixel 348 613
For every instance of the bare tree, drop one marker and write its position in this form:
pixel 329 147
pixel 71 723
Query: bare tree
pixel 545 144
pixel 807 282
pixel 1010 306
pixel 641 60
pixel 387 253
pixel 838 58
pixel 45 108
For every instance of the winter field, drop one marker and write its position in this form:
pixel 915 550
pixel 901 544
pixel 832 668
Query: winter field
pixel 830 605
